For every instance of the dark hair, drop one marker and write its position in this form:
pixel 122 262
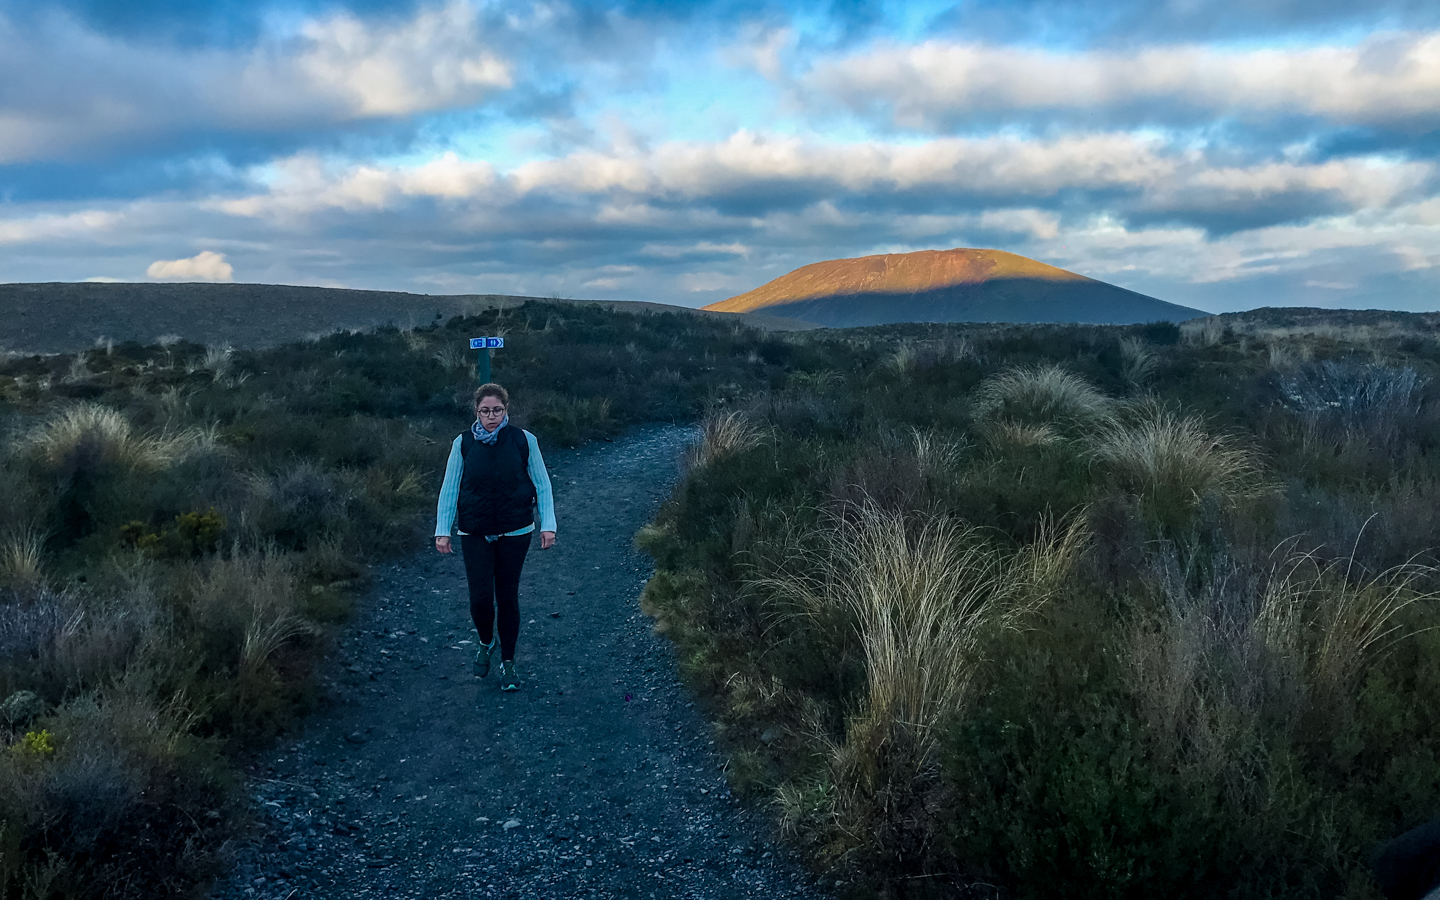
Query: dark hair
pixel 491 389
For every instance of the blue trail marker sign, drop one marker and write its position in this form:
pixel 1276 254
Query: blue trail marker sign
pixel 485 345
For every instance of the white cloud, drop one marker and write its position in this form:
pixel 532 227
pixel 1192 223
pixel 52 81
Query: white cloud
pixel 764 173
pixel 305 184
pixel 1370 244
pixel 762 49
pixel 1414 258
pixel 203 266
pixel 696 282
pixel 700 248
pixel 435 60
pixel 1036 223
pixel 1387 80
pixel 71 90
pixel 52 226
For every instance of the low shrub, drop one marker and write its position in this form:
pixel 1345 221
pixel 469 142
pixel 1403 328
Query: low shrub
pixel 1192 713
pixel 180 527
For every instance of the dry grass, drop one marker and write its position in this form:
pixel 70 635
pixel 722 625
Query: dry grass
pixel 1205 332
pixel 1352 621
pixel 722 433
pixel 1254 657
pixel 255 601
pixel 935 455
pixel 903 360
pixel 58 643
pixel 20 559
pixel 922 595
pixel 1041 395
pixel 107 433
pixel 1166 456
pixel 452 358
pixel 1005 435
pixel 1138 362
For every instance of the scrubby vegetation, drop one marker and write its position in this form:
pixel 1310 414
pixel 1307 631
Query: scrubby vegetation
pixel 983 611
pixel 1075 611
pixel 181 526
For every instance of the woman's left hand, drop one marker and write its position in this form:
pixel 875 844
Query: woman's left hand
pixel 547 540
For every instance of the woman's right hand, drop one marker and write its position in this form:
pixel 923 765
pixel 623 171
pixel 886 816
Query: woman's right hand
pixel 442 543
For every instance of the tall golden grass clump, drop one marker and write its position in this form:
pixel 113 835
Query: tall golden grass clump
pixel 903 360
pixel 1202 332
pixel 1342 624
pixel 1006 435
pixel 722 433
pixel 114 438
pixel 1166 456
pixel 922 596
pixel 935 455
pixel 20 555
pixel 1243 663
pixel 1138 362
pixel 1040 395
pixel 254 599
pixel 452 358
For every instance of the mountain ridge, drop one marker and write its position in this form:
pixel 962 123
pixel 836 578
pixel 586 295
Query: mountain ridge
pixel 62 317
pixel 957 285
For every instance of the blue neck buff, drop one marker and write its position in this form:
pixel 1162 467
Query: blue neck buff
pixel 488 437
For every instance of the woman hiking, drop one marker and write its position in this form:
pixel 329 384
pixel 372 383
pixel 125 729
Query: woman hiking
pixel 494 479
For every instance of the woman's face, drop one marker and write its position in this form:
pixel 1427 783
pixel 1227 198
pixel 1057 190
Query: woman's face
pixel 491 412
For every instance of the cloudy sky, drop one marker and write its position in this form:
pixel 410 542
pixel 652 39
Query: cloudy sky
pixel 1223 155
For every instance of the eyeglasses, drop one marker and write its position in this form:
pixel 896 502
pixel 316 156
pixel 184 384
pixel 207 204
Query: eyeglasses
pixel 489 412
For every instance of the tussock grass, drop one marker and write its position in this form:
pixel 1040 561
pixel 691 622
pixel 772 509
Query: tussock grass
pixel 1139 362
pixel 922 597
pixel 935 454
pixel 453 358
pixel 1169 457
pixel 20 555
pixel 1203 332
pixel 1006 435
pixel 1351 621
pixel 903 359
pixel 722 433
pixel 92 430
pixel 251 602
pixel 1041 395
pixel 1255 659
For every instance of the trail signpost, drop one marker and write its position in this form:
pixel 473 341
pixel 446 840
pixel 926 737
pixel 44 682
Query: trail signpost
pixel 485 345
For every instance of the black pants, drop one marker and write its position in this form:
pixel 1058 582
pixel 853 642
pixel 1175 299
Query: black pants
pixel 493 570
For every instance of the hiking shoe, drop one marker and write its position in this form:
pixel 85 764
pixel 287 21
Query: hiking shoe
pixel 482 657
pixel 509 680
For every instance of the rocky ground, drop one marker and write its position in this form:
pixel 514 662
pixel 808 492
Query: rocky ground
pixel 598 778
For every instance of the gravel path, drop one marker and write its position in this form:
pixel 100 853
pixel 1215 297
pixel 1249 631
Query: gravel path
pixel 597 779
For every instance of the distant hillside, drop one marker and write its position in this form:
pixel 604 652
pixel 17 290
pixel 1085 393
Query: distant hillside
pixel 960 285
pixel 62 317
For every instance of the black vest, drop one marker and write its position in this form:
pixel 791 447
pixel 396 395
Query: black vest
pixel 496 494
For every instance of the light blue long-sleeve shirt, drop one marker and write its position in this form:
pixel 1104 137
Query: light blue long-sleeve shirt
pixel 450 490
